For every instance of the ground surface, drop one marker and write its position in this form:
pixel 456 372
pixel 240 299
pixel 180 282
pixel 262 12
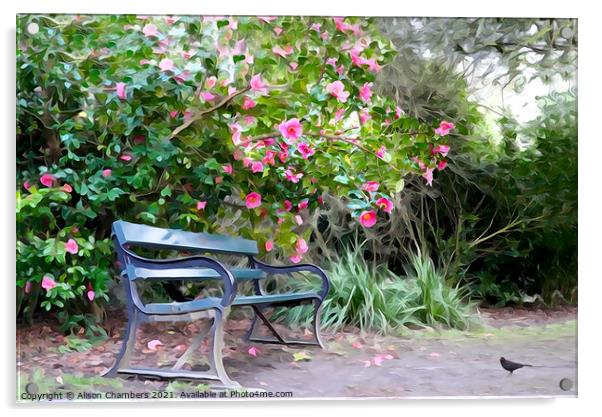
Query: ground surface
pixel 419 363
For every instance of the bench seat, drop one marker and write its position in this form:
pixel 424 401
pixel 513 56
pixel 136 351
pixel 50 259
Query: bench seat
pixel 240 274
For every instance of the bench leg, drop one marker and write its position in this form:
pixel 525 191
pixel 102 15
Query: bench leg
pixel 216 359
pixel 279 339
pixel 129 340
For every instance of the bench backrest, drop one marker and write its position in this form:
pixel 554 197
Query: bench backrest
pixel 157 238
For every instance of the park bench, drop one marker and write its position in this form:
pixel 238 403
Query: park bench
pixel 199 267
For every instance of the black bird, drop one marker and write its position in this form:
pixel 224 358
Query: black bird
pixel 511 366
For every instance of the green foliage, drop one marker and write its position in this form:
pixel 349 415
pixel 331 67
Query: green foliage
pixel 373 298
pixel 135 118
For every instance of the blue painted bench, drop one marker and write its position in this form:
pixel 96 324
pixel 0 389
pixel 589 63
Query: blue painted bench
pixel 199 267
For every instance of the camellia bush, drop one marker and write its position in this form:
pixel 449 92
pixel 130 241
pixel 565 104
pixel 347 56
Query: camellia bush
pixel 232 125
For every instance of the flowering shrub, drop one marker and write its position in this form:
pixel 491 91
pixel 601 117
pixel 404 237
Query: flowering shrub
pixel 234 125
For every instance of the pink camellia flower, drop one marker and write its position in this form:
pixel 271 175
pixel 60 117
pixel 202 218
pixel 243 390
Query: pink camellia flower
pixel 428 176
pixel 253 200
pixel 71 246
pixel 303 204
pixel 269 245
pixel 27 287
pixel 370 186
pixel 269 158
pixel 154 344
pixel 368 218
pixel 218 180
pixel 441 149
pixel 385 204
pixel 47 180
pixel 253 351
pixel 338 115
pixel 305 150
pixel 67 188
pixel 235 129
pixel 366 92
pixel 288 205
pixel 256 166
pixel 441 165
pixel 208 96
pixel 444 128
pixel 283 156
pixel 173 114
pixel 397 112
pixel 296 258
pixel 316 26
pixel 166 64
pixel 27 185
pixel 298 220
pixel 150 30
pixel 227 168
pixel 282 52
pixel 106 172
pixel 291 129
pixel 337 90
pixel 278 30
pixel 419 162
pixel 267 19
pixel 211 81
pixel 48 283
pixel 381 152
pixel 182 77
pixel 126 157
pixel 257 85
pixel 301 246
pixel 121 93
pixel 332 62
pixel 293 65
pixel 364 116
pixel 248 103
pixel 91 295
pixel 200 205
pixel 292 176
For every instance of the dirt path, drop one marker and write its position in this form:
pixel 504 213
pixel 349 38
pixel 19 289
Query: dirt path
pixel 419 364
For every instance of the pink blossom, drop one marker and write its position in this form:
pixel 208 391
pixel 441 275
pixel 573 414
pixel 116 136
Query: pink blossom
pixel 154 344
pixel 441 165
pixel 357 345
pixel 256 166
pixel 248 103
pixel 441 149
pixel 397 112
pixel 381 152
pixel 48 283
pixel 257 84
pixel 316 26
pixel 368 218
pixel 366 92
pixel 364 116
pixel 47 180
pixel 291 129
pixel 288 205
pixel 428 176
pixel 293 65
pixel 126 157
pixel 338 115
pixel 301 246
pixel 27 287
pixel 340 24
pixel 218 180
pixel 268 159
pixel 235 129
pixel 267 19
pixel 324 36
pixel 385 204
pixel 211 81
pixel 170 20
pixel 71 246
pixel 320 200
pixel 420 163
pixel 303 204
pixel 150 30
pixel 253 351
pixel 208 96
pixel 121 93
pixel 332 61
pixel 444 128
pixel 91 295
pixel 277 30
pixel 337 90
pixel 231 90
pixel 305 150
pixel 370 186
pixel 269 245
pixel 67 188
pixel 27 185
pixel 282 52
pixel 253 200
pixel 173 114
pixel 106 172
pixel 296 258
pixel 372 65
pixel 188 54
pixel 298 220
pixel 166 64
pixel 227 168
pixel 182 77
pixel 291 176
pixel 200 205
pixel 283 156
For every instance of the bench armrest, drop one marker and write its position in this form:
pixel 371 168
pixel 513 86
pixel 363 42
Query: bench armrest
pixel 287 269
pixel 194 261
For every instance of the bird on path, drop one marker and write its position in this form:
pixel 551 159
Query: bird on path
pixel 512 366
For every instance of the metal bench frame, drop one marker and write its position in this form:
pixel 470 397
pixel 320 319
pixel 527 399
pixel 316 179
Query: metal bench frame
pixel 199 267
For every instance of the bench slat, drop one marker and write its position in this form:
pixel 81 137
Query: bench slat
pixel 240 274
pixel 274 298
pixel 158 238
